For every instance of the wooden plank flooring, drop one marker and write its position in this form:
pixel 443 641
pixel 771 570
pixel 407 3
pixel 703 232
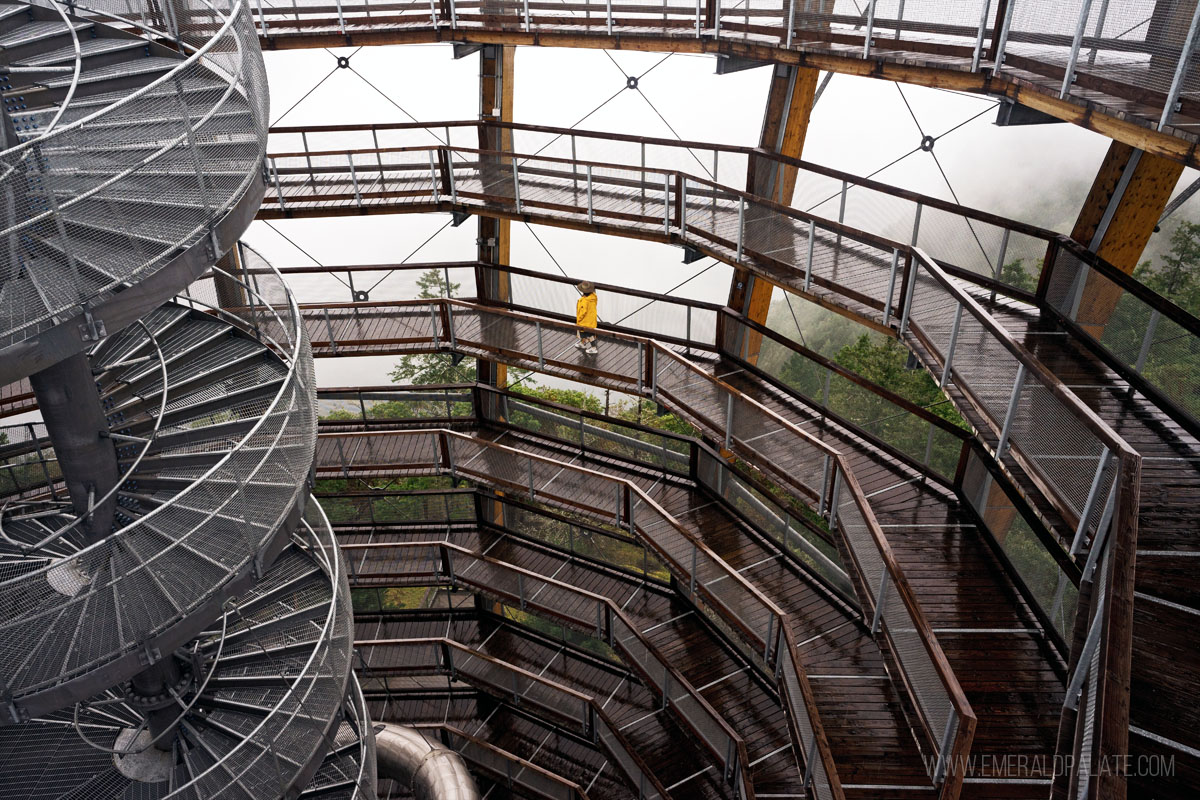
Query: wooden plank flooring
pixel 1165 684
pixel 994 644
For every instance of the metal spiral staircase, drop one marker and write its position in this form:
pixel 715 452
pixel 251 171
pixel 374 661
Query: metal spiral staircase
pixel 174 617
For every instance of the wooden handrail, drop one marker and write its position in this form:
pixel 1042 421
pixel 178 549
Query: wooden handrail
pixel 612 610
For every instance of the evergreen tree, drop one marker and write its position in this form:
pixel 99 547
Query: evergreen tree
pixel 433 368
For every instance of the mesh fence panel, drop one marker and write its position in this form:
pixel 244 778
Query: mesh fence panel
pixel 114 192
pixel 187 548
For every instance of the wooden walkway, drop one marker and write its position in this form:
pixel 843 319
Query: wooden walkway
pixel 1165 687
pixel 994 643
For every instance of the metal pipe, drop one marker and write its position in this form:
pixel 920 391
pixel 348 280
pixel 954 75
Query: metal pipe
pixel 431 770
pixel 1185 56
pixel 1069 74
pixel 70 405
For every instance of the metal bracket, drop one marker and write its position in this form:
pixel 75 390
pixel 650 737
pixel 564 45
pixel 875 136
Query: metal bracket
pixel 631 82
pixel 149 655
pixel 91 329
pixel 343 62
pixel 691 255
pixel 458 218
pixel 927 143
pixel 361 296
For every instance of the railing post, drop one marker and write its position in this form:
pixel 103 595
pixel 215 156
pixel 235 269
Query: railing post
pixel 608 15
pixel 808 270
pixel 870 30
pixel 880 596
pixel 741 225
pixel 958 312
pixel 516 185
pixel 728 421
pixel 640 369
pixel 1000 259
pixel 834 498
pixel 1185 57
pixel 791 23
pixel 667 203
pixel 682 200
pixel 1148 339
pixel 691 577
pixel 538 328
pixel 525 3
pixel 653 367
pixel 998 56
pixel 1069 74
pixel 939 770
pixel 589 191
pixel 1018 384
pixel 842 203
pixel 699 16
pixel 1093 492
pixel 329 331
pixel 437 194
pixel 983 15
pixel 887 301
pixel 913 273
pixel 354 180
pixel 278 189
pixel 824 485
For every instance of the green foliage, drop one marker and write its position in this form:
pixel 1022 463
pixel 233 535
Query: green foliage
pixel 1014 274
pixel 390 598
pixel 381 508
pixel 1177 275
pixel 1172 361
pixel 433 368
pixel 887 364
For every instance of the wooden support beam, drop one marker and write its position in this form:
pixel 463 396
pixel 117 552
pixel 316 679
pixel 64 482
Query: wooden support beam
pixel 496 74
pixel 785 124
pixel 1122 209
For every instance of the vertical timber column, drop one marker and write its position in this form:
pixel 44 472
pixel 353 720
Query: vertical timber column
pixel 496 63
pixel 785 124
pixel 1122 208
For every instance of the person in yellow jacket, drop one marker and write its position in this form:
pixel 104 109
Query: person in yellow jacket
pixel 585 318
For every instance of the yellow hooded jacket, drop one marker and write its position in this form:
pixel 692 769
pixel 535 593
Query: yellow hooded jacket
pixel 585 311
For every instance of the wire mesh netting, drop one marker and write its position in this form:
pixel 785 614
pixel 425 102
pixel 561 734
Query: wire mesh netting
pixel 205 522
pixel 125 181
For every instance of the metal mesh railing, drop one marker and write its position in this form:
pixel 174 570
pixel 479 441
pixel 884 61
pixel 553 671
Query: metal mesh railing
pixel 740 422
pixel 1137 52
pixel 295 725
pixel 27 463
pixel 222 519
pixel 425 562
pixel 1033 416
pixel 920 436
pixel 113 194
pixel 399 167
pixel 510 770
pixel 566 707
pixel 1144 337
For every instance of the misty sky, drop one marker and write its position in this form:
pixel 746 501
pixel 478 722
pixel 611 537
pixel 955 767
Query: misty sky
pixel 1039 174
